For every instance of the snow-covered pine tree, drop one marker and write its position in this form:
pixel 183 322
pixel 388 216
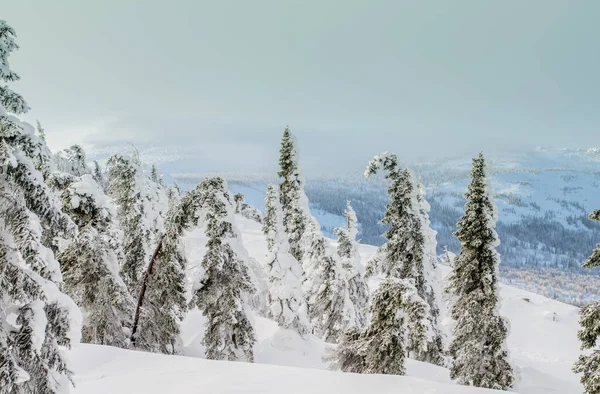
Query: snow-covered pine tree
pixel 154 175
pixel 403 255
pixel 226 282
pixel 122 187
pixel 286 299
pixel 99 176
pixel 291 194
pixel 269 227
pixel 44 156
pixel 238 198
pixel 356 286
pixel 90 263
pixel 245 209
pixel 155 205
pixel 396 309
pixel 40 130
pixel 72 161
pixel 433 290
pixel 162 306
pixel 36 318
pixel 589 364
pixel 478 350
pixel 324 286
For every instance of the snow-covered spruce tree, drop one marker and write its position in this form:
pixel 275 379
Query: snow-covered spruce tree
pixel 269 227
pixel 245 209
pixel 36 318
pixel 90 264
pixel 40 130
pixel 356 286
pixel 155 205
pixel 478 350
pixel 72 161
pixel 221 293
pixel 155 176
pixel 162 305
pixel 589 364
pixel 173 194
pixel 44 156
pixel 286 299
pixel 291 194
pixel 433 278
pixel 403 255
pixel 99 176
pixel 324 286
pixel 122 187
pixel 396 309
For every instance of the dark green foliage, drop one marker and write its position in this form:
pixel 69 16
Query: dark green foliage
pixel 226 283
pixel 479 355
pixel 381 348
pixel 290 194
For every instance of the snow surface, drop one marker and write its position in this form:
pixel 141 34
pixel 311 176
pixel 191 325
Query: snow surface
pixel 542 342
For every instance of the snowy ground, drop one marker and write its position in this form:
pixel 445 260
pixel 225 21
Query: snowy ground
pixel 543 344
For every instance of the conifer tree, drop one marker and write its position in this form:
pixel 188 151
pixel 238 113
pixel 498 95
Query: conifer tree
pixel 478 351
pixel 154 175
pixel 72 161
pixel 245 209
pixel 98 175
pixel 589 364
pixel 381 348
pixel 291 194
pixel 403 256
pixel 324 286
pixel 226 283
pixel 162 306
pixel 36 318
pixel 435 347
pixel 269 227
pixel 40 130
pixel 123 189
pixel 356 286
pixel 286 299
pixel 90 263
pixel 44 156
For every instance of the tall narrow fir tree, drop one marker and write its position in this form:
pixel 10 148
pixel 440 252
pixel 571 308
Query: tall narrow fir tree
pixel 124 191
pixel 479 354
pixel 286 299
pixel 356 287
pixel 291 194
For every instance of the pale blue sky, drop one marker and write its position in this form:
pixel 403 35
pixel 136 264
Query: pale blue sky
pixel 422 78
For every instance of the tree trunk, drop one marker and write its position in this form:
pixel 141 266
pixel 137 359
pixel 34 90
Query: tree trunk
pixel 143 289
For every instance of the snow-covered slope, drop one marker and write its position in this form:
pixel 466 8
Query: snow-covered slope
pixel 104 370
pixel 542 342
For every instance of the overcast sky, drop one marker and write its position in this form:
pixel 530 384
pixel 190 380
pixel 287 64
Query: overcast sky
pixel 424 79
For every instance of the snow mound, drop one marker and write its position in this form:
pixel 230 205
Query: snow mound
pixel 103 369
